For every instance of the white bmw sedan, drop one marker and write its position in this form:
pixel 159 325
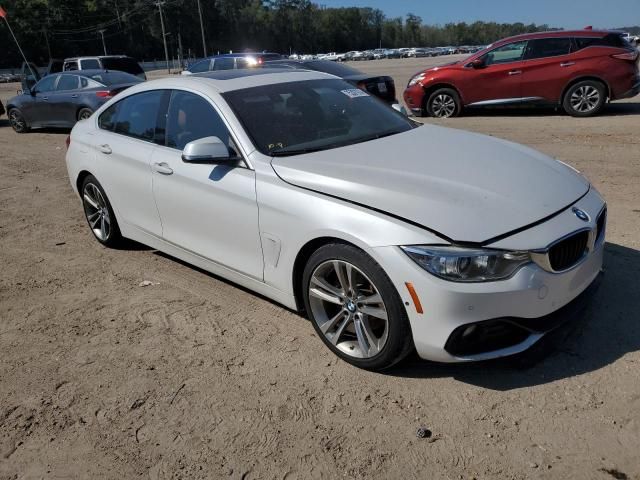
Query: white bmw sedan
pixel 390 236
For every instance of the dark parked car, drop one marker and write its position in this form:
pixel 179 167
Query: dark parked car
pixel 230 61
pixel 382 86
pixel 121 63
pixel 61 99
pixel 577 70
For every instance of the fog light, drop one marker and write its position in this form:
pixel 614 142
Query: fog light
pixel 470 330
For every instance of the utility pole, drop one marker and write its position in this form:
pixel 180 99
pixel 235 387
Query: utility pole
pixel 204 43
pixel 46 39
pixel 164 36
pixel 104 45
pixel 180 59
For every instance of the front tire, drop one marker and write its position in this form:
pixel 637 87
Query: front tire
pixel 585 98
pixel 99 214
pixel 17 121
pixel 354 307
pixel 444 103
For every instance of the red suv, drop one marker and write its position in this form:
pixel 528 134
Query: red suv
pixel 578 70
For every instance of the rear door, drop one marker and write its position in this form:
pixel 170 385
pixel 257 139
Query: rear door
pixel 124 144
pixel 30 76
pixel 547 68
pixel 63 101
pixel 499 81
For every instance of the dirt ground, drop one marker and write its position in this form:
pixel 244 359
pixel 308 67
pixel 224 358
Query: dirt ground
pixel 192 377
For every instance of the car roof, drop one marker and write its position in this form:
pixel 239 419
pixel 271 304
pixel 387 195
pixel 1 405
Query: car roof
pixel 85 73
pixel 229 80
pixel 242 54
pixel 556 33
pixel 70 59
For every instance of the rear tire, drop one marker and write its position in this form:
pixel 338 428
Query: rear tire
pixel 17 121
pixel 84 113
pixel 584 99
pixel 444 103
pixel 355 308
pixel 99 213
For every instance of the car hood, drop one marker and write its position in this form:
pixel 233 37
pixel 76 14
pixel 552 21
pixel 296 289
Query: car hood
pixel 464 186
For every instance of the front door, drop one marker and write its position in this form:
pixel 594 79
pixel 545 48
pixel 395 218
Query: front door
pixel 499 81
pixel 62 101
pixel 208 209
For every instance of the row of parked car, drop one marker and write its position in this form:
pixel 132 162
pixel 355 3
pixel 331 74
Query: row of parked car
pixel 380 53
pixel 578 71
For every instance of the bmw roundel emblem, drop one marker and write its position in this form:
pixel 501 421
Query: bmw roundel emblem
pixel 580 214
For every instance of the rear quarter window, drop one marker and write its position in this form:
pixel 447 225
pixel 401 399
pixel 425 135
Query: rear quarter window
pixel 611 40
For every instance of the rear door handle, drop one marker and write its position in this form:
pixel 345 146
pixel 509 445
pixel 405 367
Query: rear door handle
pixel 106 149
pixel 515 72
pixel 74 96
pixel 162 168
pixel 567 64
pixel 45 98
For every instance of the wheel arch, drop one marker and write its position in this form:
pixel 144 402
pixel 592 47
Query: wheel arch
pixel 582 78
pixel 300 262
pixel 436 86
pixel 80 180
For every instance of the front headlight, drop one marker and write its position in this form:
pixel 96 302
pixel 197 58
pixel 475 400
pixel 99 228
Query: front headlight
pixel 467 264
pixel 416 79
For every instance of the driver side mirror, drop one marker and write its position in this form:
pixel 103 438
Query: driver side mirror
pixel 207 150
pixel 477 63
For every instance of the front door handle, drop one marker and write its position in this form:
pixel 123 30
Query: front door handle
pixel 106 149
pixel 45 98
pixel 162 168
pixel 74 96
pixel 567 64
pixel 515 72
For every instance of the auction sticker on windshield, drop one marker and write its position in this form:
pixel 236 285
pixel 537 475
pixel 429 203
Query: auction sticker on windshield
pixel 354 92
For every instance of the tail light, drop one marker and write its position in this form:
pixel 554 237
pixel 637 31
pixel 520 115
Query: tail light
pixel 68 141
pixel 631 56
pixel 104 94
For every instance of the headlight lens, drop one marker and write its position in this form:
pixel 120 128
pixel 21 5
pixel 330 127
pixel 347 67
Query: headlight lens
pixel 467 265
pixel 416 79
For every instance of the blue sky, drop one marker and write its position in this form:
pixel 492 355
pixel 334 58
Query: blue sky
pixel 556 13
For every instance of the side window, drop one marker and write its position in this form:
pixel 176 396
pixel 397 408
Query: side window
pixel 512 52
pixel 70 66
pixel 224 63
pixel 190 118
pixel 138 115
pixel 67 82
pixel 200 67
pixel 90 64
pixel 242 63
pixel 88 83
pixel 46 84
pixel 107 120
pixel 547 47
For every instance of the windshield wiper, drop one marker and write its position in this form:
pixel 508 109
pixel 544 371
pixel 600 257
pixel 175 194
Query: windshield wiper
pixel 283 152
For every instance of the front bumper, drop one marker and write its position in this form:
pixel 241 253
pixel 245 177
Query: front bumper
pixel 414 97
pixel 530 303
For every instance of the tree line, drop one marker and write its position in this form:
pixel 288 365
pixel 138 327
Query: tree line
pixel 63 28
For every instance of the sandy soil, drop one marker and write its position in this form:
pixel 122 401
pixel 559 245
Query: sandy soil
pixel 192 377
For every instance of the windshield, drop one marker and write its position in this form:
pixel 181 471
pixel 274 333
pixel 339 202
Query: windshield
pixel 128 65
pixel 332 68
pixel 308 116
